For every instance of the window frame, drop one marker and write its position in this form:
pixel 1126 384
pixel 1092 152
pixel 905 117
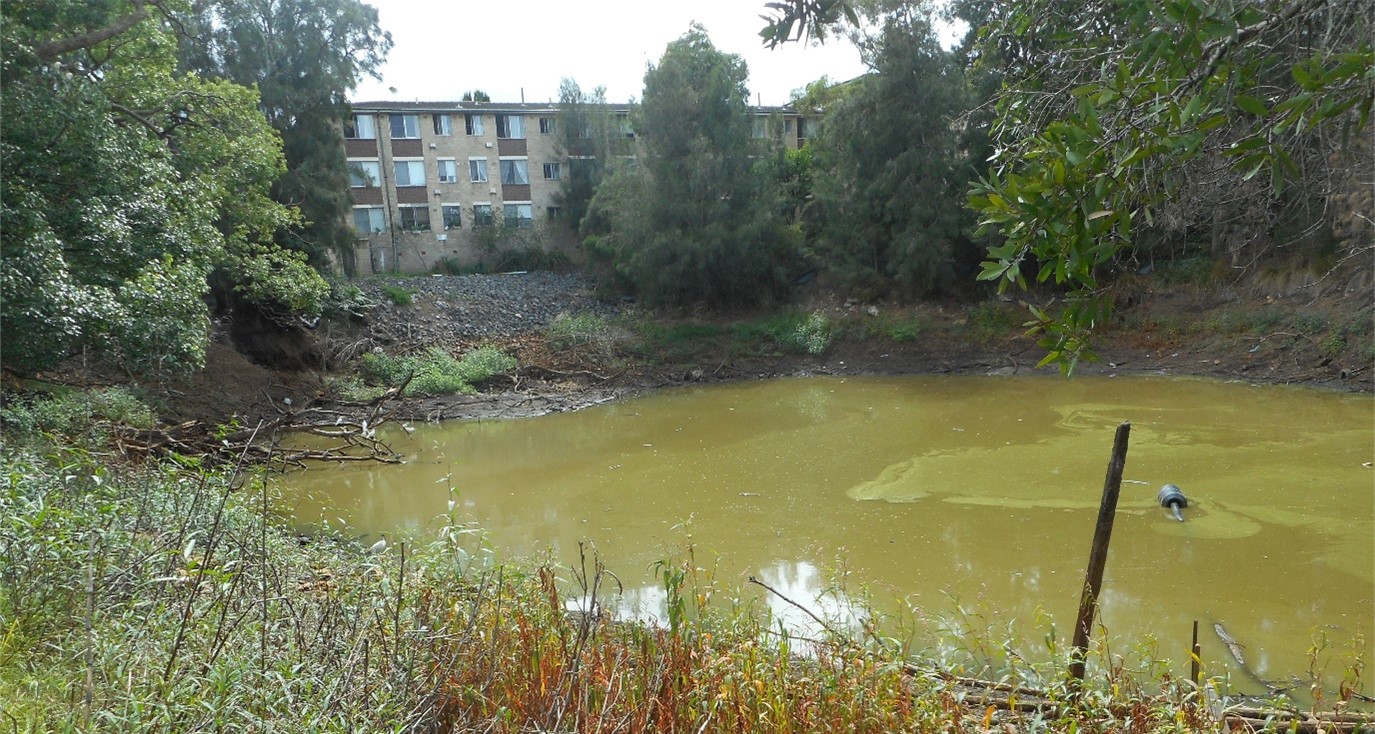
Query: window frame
pixel 483 221
pixel 472 171
pixel 548 125
pixel 376 177
pixel 516 164
pixel 406 128
pixel 446 129
pixel 521 222
pixel 415 226
pixel 353 127
pixel 504 130
pixel 409 163
pixel 472 124
pixel 439 170
pixel 553 167
pixel 444 210
pixel 381 225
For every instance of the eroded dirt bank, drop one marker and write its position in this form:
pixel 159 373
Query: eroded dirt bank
pixel 1217 335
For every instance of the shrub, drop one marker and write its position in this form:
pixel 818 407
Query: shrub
pixel 436 372
pixel 75 412
pixel 567 331
pixel 812 335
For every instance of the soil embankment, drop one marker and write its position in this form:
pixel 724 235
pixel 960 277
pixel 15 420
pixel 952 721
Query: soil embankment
pixel 1179 333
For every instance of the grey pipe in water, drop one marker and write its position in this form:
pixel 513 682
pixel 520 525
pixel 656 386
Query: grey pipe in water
pixel 1173 497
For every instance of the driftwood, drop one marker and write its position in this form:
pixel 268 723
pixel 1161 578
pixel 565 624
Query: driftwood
pixel 351 435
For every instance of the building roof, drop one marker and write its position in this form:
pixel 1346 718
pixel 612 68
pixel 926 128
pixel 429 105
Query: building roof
pixel 512 107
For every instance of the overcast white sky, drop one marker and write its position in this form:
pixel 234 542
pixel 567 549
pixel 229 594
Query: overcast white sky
pixel 443 49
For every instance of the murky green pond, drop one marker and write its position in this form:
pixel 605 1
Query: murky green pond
pixel 932 490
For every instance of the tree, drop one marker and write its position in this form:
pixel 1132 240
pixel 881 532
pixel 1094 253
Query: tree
pixel 890 175
pixel 304 57
pixel 125 184
pixel 588 136
pixel 1122 117
pixel 476 95
pixel 691 220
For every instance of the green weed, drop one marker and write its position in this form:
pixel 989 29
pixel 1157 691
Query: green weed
pixel 435 371
pixel 398 295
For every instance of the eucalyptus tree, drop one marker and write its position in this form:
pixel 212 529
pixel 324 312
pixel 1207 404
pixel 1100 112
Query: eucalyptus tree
pixel 691 221
pixel 125 182
pixel 304 57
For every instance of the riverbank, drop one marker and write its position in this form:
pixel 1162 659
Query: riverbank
pixel 600 351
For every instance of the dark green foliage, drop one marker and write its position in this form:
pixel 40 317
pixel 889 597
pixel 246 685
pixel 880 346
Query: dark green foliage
pixel 125 183
pixel 304 56
pixel 691 220
pixel 890 179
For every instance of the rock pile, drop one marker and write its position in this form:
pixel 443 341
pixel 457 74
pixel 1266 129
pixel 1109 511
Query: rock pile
pixel 450 309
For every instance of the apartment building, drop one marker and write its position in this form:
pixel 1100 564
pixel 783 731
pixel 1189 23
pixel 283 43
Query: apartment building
pixel 428 177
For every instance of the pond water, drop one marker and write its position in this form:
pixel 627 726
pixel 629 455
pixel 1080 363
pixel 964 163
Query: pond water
pixel 931 492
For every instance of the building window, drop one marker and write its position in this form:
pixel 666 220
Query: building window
pixel 760 128
pixel 546 125
pixel 788 126
pixel 807 128
pixel 415 218
pixel 472 123
pixel 361 127
pixel 482 215
pixel 443 125
pixel 510 126
pixel 410 173
pixel 623 121
pixel 553 212
pixel 477 170
pixel 448 170
pixel 405 126
pixel 369 219
pixel 515 171
pixel 517 215
pixel 453 216
pixel 365 174
pixel 552 172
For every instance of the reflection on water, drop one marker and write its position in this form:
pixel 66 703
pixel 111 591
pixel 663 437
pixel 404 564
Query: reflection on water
pixel 929 490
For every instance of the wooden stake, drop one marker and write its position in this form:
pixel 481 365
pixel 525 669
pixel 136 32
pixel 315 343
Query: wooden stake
pixel 1098 555
pixel 1197 661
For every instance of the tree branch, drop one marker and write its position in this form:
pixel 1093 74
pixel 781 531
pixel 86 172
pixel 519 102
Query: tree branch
pixel 52 49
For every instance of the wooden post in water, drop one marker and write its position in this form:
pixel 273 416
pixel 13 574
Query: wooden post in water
pixel 1196 657
pixel 1098 555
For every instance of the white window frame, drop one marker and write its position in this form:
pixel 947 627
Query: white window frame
pixel 376 225
pixel 548 126
pixel 524 222
pixel 472 123
pixel 508 131
pixel 364 127
pixel 444 212
pixel 401 218
pixel 474 171
pixel 443 124
pixel 553 168
pixel 406 127
pixel 452 177
pixel 514 165
pixel 372 170
pixel 409 178
pixel 491 214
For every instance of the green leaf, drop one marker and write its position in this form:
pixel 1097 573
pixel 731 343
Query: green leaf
pixel 1252 105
